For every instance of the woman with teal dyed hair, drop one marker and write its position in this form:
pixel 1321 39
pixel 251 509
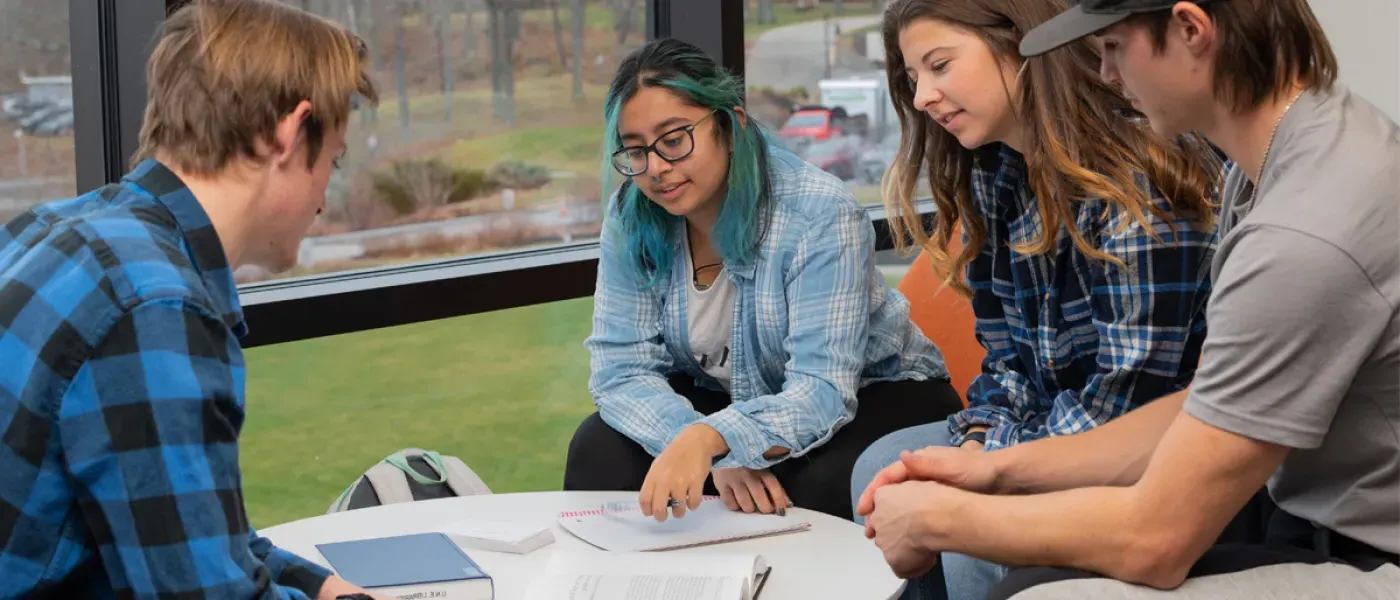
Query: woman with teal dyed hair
pixel 744 344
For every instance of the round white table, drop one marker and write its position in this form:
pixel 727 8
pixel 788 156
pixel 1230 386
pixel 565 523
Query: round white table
pixel 831 560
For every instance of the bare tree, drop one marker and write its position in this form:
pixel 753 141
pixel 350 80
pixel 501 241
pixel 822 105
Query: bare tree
pixel 399 13
pixel 559 35
pixel 469 7
pixel 577 13
pixel 512 23
pixel 623 11
pixel 443 33
pixel 359 17
pixel 505 28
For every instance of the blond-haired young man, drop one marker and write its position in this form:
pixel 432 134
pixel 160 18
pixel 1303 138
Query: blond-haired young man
pixel 121 395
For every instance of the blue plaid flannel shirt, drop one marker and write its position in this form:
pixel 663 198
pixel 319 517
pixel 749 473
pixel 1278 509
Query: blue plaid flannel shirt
pixel 1071 342
pixel 121 400
pixel 814 322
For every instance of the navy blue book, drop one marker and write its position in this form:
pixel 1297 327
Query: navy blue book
pixel 424 565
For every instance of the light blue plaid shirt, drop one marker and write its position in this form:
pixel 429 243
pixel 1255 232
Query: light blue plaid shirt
pixel 813 323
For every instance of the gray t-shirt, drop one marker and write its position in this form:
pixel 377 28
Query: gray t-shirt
pixel 1304 342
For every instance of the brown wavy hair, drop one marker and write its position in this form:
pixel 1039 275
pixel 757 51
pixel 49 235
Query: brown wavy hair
pixel 1079 142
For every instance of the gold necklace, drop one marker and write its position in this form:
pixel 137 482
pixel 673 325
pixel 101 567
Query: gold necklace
pixel 1254 194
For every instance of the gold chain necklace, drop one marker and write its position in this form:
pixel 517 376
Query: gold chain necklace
pixel 1254 194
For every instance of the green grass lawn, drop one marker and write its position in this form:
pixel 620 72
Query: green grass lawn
pixel 576 148
pixel 503 391
pixel 539 102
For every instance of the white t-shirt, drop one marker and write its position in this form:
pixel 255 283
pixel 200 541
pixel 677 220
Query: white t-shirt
pixel 710 315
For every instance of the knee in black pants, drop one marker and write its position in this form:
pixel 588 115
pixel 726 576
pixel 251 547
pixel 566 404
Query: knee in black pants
pixel 823 487
pixel 601 459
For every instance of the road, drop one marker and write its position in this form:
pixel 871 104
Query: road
pixel 792 55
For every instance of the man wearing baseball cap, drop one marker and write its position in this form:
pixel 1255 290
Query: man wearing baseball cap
pixel 1299 385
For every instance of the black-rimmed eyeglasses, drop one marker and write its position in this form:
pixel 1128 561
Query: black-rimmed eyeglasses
pixel 671 146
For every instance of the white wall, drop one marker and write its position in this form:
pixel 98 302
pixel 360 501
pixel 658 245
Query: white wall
pixel 1366 37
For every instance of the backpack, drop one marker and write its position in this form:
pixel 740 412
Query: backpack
pixel 408 475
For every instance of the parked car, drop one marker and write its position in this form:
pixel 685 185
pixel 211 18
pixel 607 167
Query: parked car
pixel 837 155
pixel 818 123
pixel 876 160
pixel 12 105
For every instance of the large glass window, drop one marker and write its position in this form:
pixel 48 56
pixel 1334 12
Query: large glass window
pixel 36 105
pixel 503 391
pixel 814 75
pixel 488 136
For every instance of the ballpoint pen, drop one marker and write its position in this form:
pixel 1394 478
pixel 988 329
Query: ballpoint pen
pixel 612 507
pixel 625 506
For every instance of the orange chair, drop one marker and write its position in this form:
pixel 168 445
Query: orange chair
pixel 946 318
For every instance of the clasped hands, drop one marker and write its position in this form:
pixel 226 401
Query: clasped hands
pixel 911 506
pixel 679 473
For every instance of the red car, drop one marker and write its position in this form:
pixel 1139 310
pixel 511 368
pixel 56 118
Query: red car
pixel 817 123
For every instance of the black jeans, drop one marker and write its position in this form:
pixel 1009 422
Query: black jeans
pixel 600 458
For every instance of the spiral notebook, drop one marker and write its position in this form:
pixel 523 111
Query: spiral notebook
pixel 628 530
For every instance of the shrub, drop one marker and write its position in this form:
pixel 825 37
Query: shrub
pixel 519 175
pixel 411 185
pixel 363 208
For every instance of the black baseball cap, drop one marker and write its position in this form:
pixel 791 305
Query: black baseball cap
pixel 1086 18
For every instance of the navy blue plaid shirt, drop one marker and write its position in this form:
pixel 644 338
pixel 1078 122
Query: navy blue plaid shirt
pixel 121 400
pixel 1073 342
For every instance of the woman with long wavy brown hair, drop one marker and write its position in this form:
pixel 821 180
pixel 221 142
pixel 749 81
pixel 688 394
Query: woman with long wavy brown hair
pixel 1086 238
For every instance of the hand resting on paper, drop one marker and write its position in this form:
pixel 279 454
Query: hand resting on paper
pixel 751 490
pixel 679 472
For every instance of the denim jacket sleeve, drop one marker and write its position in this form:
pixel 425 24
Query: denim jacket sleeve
pixel 828 315
pixel 628 355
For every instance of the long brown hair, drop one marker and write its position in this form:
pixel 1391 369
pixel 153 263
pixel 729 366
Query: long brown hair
pixel 1078 143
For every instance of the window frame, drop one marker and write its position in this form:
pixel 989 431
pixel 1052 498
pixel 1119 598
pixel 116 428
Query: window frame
pixel 110 50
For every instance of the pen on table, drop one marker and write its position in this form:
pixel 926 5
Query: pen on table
pixel 672 503
pixel 779 511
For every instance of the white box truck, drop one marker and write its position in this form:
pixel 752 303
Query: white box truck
pixel 866 100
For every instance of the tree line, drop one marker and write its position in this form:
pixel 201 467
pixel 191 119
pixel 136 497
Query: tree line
pixel 499 20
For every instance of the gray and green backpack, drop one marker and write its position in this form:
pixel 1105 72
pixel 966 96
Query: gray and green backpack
pixel 409 475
